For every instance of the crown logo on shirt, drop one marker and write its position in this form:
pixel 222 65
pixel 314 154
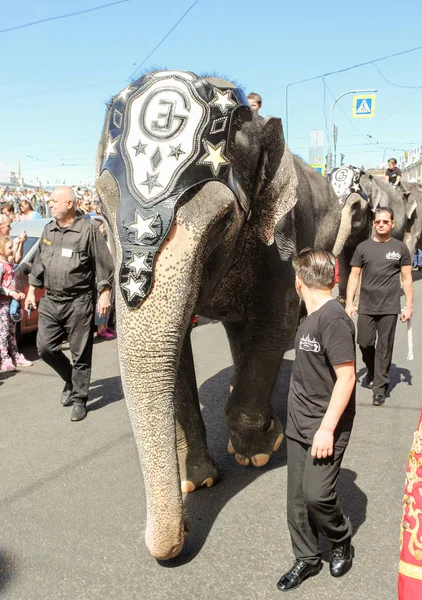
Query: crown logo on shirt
pixel 309 345
pixel 393 255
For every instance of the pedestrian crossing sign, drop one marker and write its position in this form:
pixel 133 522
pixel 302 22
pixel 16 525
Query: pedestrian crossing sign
pixel 319 167
pixel 363 106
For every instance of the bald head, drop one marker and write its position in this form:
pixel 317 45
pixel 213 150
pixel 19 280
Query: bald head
pixel 4 226
pixel 63 205
pixel 64 192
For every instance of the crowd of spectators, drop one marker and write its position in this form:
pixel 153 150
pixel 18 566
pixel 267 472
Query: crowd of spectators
pixel 29 204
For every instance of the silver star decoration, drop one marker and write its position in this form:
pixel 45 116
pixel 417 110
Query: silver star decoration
pixel 138 263
pixel 214 157
pixel 143 227
pixel 111 147
pixel 125 93
pixel 223 100
pixel 139 148
pixel 176 151
pixel 151 181
pixel 134 288
pixel 355 186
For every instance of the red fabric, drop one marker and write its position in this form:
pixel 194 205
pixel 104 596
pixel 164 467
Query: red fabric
pixel 337 272
pixel 410 568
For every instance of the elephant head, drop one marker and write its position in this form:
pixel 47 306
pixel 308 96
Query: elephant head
pixel 360 194
pixel 183 169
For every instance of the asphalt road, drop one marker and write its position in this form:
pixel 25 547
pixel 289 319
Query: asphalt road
pixel 73 509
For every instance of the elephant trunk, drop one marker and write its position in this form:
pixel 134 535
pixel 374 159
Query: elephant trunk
pixel 344 230
pixel 150 346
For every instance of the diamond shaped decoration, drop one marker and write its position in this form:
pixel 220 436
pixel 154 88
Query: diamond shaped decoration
pixel 219 125
pixel 156 159
pixel 117 118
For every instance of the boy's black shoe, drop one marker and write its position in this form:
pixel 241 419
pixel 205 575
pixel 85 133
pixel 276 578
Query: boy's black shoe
pixel 300 571
pixel 66 397
pixel 79 411
pixel 378 399
pixel 341 558
pixel 369 381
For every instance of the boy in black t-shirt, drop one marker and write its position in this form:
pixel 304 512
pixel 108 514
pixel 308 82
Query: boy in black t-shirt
pixel 393 173
pixel 321 409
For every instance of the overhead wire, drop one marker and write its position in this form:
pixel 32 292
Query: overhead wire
pixel 414 87
pixel 66 16
pixel 368 62
pixel 163 39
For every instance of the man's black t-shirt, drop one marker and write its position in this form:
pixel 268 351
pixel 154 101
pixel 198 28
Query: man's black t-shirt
pixel 325 338
pixel 393 174
pixel 381 264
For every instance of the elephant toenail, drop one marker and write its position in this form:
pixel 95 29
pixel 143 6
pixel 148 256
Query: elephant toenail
pixel 259 460
pixel 278 442
pixel 187 487
pixel 207 482
pixel 242 460
pixel 271 427
pixel 230 448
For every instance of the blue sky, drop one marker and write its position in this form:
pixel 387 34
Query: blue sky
pixel 57 76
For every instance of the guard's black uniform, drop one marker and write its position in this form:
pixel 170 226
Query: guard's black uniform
pixel 379 304
pixel 68 262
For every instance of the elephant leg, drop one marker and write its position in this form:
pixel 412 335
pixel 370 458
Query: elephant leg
pixel 195 465
pixel 258 345
pixel 344 259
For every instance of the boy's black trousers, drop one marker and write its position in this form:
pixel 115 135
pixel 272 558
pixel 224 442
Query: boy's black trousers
pixel 312 502
pixel 377 358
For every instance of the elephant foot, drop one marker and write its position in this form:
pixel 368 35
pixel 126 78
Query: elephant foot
pixel 256 448
pixel 196 474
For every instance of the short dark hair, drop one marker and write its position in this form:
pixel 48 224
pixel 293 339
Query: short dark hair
pixel 254 96
pixel 386 209
pixel 394 160
pixel 316 268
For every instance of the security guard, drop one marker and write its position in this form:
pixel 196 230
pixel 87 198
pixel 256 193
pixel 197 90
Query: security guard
pixel 71 262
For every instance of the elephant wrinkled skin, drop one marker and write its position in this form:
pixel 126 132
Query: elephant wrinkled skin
pixel 217 263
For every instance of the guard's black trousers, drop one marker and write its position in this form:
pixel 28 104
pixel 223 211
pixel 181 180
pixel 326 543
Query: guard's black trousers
pixel 312 502
pixel 377 350
pixel 75 318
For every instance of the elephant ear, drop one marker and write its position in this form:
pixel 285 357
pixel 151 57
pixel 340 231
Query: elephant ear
pixel 375 194
pixel 411 204
pixel 277 185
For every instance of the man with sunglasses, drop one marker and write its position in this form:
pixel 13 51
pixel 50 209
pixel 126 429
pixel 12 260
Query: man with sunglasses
pixel 381 260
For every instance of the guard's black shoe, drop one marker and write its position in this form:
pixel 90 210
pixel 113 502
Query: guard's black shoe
pixel 79 411
pixel 378 399
pixel 341 558
pixel 300 571
pixel 369 381
pixel 66 398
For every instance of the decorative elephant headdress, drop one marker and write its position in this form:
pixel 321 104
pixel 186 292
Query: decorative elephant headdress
pixel 345 180
pixel 167 132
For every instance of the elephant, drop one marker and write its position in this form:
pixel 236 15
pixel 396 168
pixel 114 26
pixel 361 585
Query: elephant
pixel 214 238
pixel 360 194
pixel 413 234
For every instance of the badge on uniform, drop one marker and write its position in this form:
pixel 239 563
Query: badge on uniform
pixel 67 252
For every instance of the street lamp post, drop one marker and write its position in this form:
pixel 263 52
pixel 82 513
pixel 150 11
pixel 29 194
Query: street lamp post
pixel 331 119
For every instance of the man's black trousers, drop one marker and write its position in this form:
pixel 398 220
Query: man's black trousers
pixel 312 502
pixel 75 318
pixel 377 350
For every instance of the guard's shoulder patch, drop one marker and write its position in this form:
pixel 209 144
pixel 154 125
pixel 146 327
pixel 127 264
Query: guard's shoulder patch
pixel 46 241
